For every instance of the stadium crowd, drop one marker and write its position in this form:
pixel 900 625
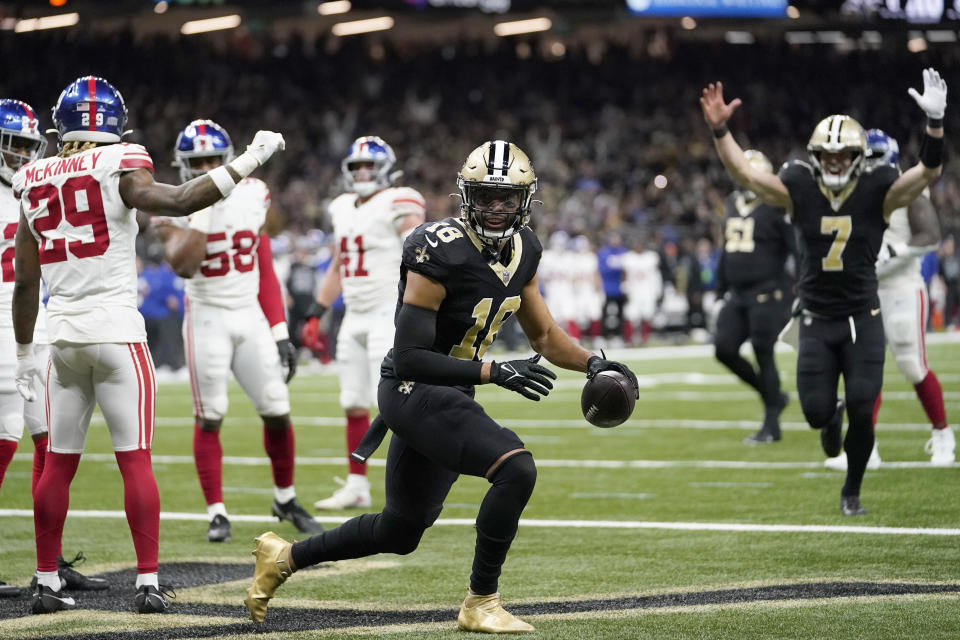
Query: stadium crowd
pixel 612 128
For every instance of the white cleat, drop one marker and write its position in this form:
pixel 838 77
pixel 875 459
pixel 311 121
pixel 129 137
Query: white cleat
pixel 839 463
pixel 942 447
pixel 354 493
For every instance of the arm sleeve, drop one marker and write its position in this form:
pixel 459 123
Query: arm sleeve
pixel 270 298
pixel 414 359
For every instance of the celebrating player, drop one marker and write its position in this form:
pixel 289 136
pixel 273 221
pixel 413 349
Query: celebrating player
pixel 460 279
pixel 234 322
pixel 754 291
pixel 841 208
pixel 370 221
pixel 913 232
pixel 77 227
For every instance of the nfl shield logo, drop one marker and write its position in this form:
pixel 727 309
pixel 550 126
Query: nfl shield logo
pixel 506 276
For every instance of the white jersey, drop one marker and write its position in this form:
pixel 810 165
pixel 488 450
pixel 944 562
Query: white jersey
pixel 9 220
pixel 86 237
pixel 229 275
pixel 642 282
pixel 370 247
pixel 908 272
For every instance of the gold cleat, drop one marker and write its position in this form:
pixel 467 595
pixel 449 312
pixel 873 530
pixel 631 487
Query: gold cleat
pixel 271 571
pixel 484 614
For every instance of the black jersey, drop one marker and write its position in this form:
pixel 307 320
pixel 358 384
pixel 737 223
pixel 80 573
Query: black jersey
pixel 758 238
pixel 841 234
pixel 481 291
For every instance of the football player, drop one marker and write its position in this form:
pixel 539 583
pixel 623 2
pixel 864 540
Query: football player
pixel 913 232
pixel 460 279
pixel 77 228
pixel 754 294
pixel 234 321
pixel 370 221
pixel 841 208
pixel 20 143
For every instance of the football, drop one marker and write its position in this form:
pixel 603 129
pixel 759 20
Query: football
pixel 607 399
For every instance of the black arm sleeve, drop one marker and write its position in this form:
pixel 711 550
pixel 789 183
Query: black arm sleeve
pixel 414 359
pixel 721 287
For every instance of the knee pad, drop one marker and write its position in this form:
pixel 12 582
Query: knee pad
pixel 395 534
pixel 11 427
pixel 215 407
pixel 818 409
pixel 519 470
pixel 911 367
pixel 726 353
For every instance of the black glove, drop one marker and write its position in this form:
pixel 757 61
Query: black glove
pixel 316 310
pixel 596 364
pixel 523 376
pixel 288 357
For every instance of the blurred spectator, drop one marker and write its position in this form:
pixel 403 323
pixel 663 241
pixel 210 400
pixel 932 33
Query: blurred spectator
pixel 610 261
pixel 302 282
pixel 950 271
pixel 161 304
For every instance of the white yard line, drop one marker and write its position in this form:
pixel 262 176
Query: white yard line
pixel 251 461
pixel 550 524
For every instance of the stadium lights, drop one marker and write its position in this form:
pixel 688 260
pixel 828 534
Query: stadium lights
pixel 916 43
pixel 688 23
pixel 941 35
pixel 792 12
pixel 331 8
pixel 739 37
pixel 516 27
pixel 362 26
pixel 161 7
pixel 47 22
pixel 210 24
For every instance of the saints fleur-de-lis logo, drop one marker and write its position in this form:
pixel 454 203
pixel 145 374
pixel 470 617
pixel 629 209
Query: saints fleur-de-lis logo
pixel 422 255
pixel 406 387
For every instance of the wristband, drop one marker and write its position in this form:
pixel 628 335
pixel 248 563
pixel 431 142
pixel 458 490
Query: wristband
pixel 279 332
pixel 720 131
pixel 931 151
pixel 224 181
pixel 935 123
pixel 24 350
pixel 244 164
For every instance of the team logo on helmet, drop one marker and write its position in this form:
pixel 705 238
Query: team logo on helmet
pixel 89 109
pixel 834 135
pixel 368 150
pixel 20 138
pixel 882 149
pixel 199 140
pixel 496 183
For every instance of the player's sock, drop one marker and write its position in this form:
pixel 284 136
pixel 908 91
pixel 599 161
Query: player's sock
pixel 858 444
pixel 876 409
pixel 208 457
pixel 279 446
pixel 627 332
pixel 7 449
pixel 50 510
pixel 356 427
pixel 141 502
pixel 39 458
pixel 931 397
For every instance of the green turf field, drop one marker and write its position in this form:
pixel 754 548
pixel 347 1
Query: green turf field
pixel 665 527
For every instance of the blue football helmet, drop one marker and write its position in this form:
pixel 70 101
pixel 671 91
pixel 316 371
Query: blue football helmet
pixel 20 138
pixel 882 149
pixel 89 110
pixel 368 149
pixel 201 139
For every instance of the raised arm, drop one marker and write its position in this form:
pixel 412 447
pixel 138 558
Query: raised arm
pixel 914 180
pixel 768 187
pixel 139 190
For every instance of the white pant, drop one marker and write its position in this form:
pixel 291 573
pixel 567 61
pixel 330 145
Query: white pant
pixel 118 377
pixel 363 341
pixel 904 308
pixel 14 411
pixel 217 341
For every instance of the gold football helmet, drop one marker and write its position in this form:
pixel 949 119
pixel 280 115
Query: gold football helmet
pixel 837 134
pixel 496 185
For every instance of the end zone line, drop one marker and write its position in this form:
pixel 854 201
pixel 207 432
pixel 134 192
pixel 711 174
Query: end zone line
pixel 553 524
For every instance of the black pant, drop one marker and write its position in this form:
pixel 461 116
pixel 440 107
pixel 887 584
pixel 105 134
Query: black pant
pixel 744 317
pixel 829 348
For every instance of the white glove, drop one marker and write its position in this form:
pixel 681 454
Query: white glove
pixel 934 98
pixel 28 372
pixel 265 144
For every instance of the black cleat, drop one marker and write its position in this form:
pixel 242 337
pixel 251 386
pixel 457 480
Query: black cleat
pixel 762 436
pixel 150 599
pixel 850 505
pixel 73 580
pixel 831 435
pixel 293 512
pixel 46 600
pixel 219 529
pixel 8 590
